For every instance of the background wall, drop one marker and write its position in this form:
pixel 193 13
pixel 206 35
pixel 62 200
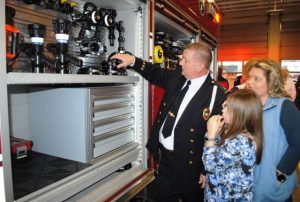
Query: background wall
pixel 290 34
pixel 244 34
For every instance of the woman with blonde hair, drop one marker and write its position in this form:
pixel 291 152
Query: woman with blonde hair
pixel 233 146
pixel 275 176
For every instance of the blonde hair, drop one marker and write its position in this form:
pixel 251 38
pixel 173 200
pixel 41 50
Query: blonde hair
pixel 245 109
pixel 245 68
pixel 202 52
pixel 272 72
pixel 285 73
pixel 289 85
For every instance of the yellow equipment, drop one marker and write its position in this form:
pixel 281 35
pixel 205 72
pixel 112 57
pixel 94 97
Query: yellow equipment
pixel 158 54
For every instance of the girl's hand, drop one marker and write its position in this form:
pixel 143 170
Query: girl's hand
pixel 214 126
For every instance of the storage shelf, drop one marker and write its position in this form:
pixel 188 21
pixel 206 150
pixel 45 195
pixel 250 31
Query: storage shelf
pixel 102 167
pixel 14 78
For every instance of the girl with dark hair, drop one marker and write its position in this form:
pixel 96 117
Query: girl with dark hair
pixel 233 146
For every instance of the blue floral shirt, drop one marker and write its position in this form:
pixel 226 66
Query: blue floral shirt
pixel 229 170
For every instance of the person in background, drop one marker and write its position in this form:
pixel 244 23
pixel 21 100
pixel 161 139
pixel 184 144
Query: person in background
pixel 222 81
pixel 233 146
pixel 289 85
pixel 298 82
pixel 178 133
pixel 297 100
pixel 275 177
pixel 237 80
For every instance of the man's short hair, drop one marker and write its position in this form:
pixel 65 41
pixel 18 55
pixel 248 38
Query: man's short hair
pixel 202 52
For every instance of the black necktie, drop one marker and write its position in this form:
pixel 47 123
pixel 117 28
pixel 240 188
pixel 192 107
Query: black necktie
pixel 169 123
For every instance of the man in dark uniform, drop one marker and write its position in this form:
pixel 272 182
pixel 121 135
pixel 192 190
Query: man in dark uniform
pixel 181 172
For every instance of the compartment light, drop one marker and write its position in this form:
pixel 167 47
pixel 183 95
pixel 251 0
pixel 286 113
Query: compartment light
pixel 217 17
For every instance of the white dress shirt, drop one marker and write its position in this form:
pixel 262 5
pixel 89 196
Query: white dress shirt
pixel 195 85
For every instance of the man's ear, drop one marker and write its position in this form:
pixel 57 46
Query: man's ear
pixel 200 67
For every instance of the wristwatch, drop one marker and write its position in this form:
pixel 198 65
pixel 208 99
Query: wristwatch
pixel 280 177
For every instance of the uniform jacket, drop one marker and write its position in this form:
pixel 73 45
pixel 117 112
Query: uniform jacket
pixel 191 127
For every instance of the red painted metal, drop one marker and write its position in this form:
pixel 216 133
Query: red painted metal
pixel 150 161
pixel 157 97
pixel 191 8
pixel 194 28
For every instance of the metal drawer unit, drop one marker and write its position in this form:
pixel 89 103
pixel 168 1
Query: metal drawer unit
pixel 113 117
pixel 89 122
